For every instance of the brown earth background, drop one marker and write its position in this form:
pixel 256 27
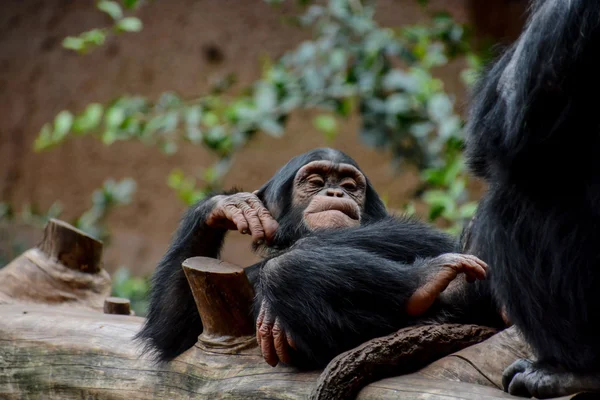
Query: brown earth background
pixel 38 79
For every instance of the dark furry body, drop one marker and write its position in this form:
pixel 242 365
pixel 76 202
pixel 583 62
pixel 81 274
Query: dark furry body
pixel 533 120
pixel 331 290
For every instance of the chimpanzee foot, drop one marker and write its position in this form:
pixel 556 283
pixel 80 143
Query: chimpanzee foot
pixel 445 268
pixel 527 379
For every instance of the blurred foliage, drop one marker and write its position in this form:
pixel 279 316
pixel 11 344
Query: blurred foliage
pixel 93 221
pixel 350 66
pixel 88 41
pixel 133 288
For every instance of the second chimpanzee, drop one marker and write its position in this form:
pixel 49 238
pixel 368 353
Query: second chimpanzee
pixel 339 269
pixel 534 135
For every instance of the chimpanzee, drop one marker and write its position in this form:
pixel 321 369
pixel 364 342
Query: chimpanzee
pixel 534 136
pixel 339 270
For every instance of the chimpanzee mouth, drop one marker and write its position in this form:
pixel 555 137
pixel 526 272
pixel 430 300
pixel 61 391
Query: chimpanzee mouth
pixel 325 204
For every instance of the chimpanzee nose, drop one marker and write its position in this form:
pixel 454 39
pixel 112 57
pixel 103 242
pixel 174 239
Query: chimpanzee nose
pixel 334 192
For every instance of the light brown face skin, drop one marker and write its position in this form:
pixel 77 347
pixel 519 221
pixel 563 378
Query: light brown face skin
pixel 332 195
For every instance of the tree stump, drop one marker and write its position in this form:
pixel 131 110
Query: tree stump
pixel 224 299
pixel 117 305
pixel 65 268
pixel 71 247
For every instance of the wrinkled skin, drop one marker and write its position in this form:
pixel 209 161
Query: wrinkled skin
pixel 245 213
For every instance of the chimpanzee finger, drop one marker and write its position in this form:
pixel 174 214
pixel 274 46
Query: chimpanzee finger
pixel 237 216
pixel 267 346
pixel 256 228
pixel 280 342
pixel 478 261
pixel 269 224
pixel 472 268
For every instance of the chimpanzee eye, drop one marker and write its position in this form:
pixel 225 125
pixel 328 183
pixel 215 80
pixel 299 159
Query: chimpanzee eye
pixel 349 185
pixel 317 181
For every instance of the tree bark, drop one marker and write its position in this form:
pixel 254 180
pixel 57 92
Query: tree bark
pixel 224 297
pixel 65 268
pixel 49 352
pixel 404 351
pixel 117 305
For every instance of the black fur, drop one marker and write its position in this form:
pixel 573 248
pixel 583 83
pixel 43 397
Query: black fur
pixel 534 136
pixel 332 290
pixel 337 289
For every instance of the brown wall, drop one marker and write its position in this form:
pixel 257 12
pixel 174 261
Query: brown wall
pixel 38 79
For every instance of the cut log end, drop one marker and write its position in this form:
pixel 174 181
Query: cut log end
pixel 71 247
pixel 224 298
pixel 117 305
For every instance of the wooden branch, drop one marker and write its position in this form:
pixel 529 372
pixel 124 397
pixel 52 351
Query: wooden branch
pixel 224 298
pixel 49 352
pixel 117 305
pixel 404 351
pixel 64 269
pixel 71 247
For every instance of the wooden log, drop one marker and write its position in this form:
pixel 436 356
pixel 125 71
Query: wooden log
pixel 224 298
pixel 65 268
pixel 71 247
pixel 49 352
pixel 117 305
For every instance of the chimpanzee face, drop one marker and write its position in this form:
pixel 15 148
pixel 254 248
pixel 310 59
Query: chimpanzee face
pixel 331 195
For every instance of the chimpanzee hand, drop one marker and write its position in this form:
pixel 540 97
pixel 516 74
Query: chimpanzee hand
pixel 446 269
pixel 273 340
pixel 244 212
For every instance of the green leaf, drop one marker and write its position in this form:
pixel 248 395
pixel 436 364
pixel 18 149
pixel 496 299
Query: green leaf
pixel 175 178
pixel 457 188
pixel 171 121
pixel 90 119
pixel 95 37
pixel 440 203
pixel 62 124
pixel 73 43
pixel 398 103
pixel 129 24
pixel 169 148
pixel 271 127
pixel 400 80
pixel 210 119
pixel 449 126
pixel 112 8
pixel 130 3
pixel 109 137
pixel 114 117
pixel 193 115
pixel 327 125
pixel 265 97
pixel 123 191
pixel 468 210
pixel 439 106
pixel 44 139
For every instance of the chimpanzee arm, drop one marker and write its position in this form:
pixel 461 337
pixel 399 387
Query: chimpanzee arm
pixel 173 323
pixel 326 298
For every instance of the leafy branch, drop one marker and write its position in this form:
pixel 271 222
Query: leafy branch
pixel 88 41
pixel 350 66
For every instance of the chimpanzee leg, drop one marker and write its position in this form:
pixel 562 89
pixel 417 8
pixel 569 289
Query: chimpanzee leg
pixel 327 300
